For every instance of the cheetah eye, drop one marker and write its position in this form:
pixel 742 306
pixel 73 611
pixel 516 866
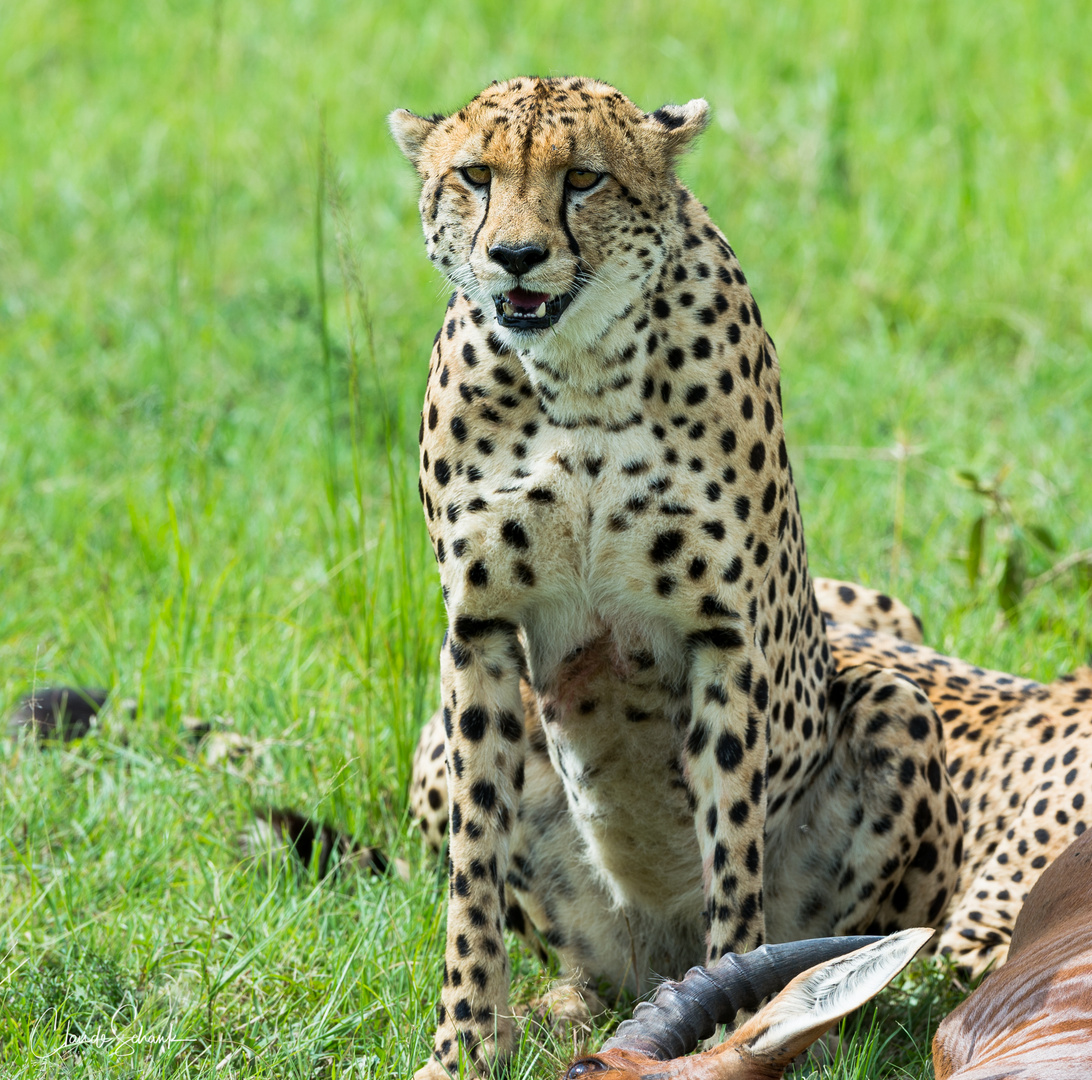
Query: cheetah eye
pixel 478 175
pixel 582 179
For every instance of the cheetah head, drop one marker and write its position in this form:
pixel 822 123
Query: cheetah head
pixel 544 200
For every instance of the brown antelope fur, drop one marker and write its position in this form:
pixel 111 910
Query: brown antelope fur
pixel 610 502
pixel 1032 1018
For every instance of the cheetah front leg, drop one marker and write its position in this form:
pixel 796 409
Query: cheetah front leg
pixel 483 718
pixel 725 758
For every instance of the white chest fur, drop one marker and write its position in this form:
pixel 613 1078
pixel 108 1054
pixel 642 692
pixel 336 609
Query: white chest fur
pixel 607 662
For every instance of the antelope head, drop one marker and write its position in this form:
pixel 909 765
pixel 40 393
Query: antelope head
pixel 827 978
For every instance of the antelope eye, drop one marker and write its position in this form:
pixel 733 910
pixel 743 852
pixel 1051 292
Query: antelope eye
pixel 588 1065
pixel 478 175
pixel 582 179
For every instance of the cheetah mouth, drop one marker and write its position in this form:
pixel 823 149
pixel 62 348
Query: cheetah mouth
pixel 519 309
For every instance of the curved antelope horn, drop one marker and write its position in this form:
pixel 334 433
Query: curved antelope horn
pixel 681 1014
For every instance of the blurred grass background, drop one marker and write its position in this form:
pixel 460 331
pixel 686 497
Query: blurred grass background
pixel 213 345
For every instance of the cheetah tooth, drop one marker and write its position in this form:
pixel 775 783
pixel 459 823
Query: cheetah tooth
pixel 540 311
pixel 508 309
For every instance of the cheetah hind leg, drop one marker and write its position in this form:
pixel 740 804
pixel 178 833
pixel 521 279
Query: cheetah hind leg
pixel 872 840
pixel 858 605
pixel 1052 812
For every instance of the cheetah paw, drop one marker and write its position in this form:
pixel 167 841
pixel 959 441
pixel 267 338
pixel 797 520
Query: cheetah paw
pixel 468 1055
pixel 433 1070
pixel 566 1010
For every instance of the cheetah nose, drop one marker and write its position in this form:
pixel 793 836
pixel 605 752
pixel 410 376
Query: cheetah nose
pixel 518 260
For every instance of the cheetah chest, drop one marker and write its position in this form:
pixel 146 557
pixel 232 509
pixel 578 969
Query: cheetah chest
pixel 566 550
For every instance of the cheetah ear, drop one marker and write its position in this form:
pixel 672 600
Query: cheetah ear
pixel 410 132
pixel 678 125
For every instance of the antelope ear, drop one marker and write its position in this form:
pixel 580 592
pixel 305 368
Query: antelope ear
pixel 678 125
pixel 410 131
pixel 818 998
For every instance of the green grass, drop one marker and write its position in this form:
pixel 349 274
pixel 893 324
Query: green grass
pixel 207 476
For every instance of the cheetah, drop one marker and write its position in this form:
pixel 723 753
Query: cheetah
pixel 1029 739
pixel 611 506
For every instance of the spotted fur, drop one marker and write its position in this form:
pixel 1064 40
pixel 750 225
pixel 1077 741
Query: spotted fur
pixel 1020 759
pixel 613 515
